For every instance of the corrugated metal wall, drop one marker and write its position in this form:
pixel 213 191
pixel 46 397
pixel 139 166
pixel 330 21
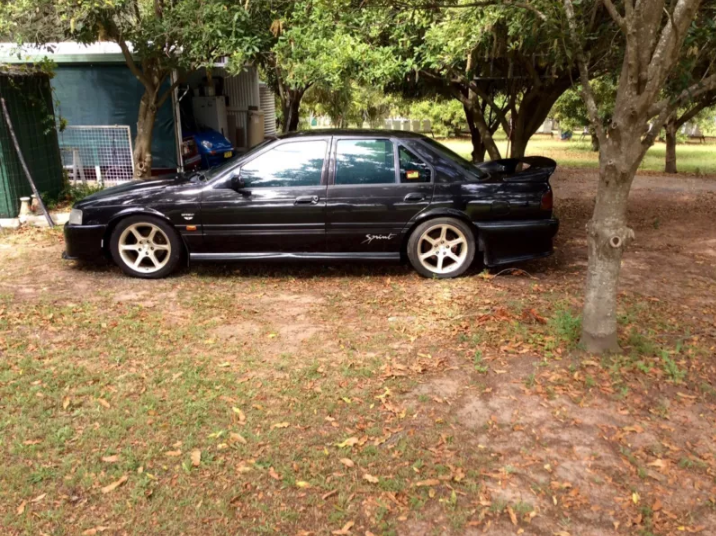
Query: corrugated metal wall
pixel 268 105
pixel 242 91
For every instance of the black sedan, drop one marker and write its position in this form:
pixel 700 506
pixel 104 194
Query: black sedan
pixel 326 195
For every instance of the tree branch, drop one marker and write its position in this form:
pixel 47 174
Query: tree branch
pixel 614 13
pixel 587 92
pixel 167 93
pixel 696 90
pixel 130 61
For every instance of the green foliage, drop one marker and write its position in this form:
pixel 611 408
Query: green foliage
pixel 571 112
pixel 70 194
pixel 447 117
pixel 672 369
pixel 566 326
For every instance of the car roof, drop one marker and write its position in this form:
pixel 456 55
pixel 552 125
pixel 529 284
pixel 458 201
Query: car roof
pixel 375 132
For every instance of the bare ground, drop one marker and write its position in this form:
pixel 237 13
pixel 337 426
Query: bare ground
pixel 500 424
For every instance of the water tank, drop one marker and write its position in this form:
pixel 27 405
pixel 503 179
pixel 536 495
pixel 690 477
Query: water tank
pixel 268 107
pixel 256 127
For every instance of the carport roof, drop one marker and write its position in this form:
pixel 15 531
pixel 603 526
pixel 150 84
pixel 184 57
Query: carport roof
pixel 67 52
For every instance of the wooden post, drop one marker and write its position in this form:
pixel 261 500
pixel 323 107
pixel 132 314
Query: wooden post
pixel 24 165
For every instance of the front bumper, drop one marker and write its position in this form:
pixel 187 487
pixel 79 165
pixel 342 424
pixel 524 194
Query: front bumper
pixel 509 241
pixel 84 241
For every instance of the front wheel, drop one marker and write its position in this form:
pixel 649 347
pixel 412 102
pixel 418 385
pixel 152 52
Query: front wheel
pixel 145 247
pixel 442 248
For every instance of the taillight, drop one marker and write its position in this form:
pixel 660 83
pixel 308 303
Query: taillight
pixel 547 201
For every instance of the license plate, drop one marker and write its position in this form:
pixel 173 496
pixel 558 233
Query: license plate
pixel 228 154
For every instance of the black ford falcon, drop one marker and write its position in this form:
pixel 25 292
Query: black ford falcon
pixel 326 195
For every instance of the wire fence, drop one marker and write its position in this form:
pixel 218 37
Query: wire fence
pixel 100 153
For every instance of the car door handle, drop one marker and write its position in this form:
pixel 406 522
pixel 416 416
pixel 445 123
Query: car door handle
pixel 306 200
pixel 414 197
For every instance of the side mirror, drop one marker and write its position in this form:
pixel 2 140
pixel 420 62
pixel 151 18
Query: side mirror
pixel 237 183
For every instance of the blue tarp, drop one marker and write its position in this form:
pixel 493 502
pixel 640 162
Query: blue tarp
pixel 103 94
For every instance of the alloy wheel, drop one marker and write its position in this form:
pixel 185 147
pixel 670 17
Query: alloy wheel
pixel 442 248
pixel 144 247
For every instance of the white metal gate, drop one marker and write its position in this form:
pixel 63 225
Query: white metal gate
pixel 101 153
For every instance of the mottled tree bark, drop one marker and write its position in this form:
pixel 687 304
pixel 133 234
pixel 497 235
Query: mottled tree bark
pixel 670 163
pixel 652 47
pixel 143 141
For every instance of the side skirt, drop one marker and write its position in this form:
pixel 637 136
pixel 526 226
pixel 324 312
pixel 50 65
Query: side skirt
pixel 279 256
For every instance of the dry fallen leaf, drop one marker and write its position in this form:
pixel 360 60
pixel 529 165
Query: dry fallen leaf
pixel 240 414
pixel 21 508
pixel 66 402
pixel 196 457
pixel 32 442
pixel 110 459
pixel 348 442
pixel 345 530
pixel 236 438
pixel 302 484
pixel 103 402
pixel 513 516
pixel 173 453
pixel 347 462
pixel 96 530
pixel 114 485
pixel 329 494
pixel 660 463
pixel 370 478
pixel 39 498
pixel 280 425
pixel 273 474
pixel 429 482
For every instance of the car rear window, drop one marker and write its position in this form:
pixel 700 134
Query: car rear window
pixel 365 162
pixel 438 152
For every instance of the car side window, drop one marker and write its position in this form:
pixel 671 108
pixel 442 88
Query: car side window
pixel 412 168
pixel 365 162
pixel 297 163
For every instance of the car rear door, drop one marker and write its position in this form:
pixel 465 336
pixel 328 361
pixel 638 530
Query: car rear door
pixel 376 187
pixel 280 209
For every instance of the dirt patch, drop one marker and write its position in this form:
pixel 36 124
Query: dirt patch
pixel 411 406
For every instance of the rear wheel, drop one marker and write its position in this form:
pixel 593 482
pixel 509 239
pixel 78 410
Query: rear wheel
pixel 442 248
pixel 145 247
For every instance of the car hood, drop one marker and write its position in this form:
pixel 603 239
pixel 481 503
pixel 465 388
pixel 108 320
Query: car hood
pixel 135 189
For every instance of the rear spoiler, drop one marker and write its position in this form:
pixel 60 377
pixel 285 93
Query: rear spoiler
pixel 528 168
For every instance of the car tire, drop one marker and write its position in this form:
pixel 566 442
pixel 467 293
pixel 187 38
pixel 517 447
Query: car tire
pixel 442 248
pixel 146 247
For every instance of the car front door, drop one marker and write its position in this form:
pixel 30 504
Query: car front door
pixel 280 208
pixel 377 186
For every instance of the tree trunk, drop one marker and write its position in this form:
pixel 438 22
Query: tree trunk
pixel 595 140
pixel 478 147
pixel 670 164
pixel 290 106
pixel 143 141
pixel 519 145
pixel 532 112
pixel 607 237
pixel 485 135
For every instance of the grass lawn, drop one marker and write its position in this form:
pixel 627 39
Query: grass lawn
pixel 361 399
pixel 690 158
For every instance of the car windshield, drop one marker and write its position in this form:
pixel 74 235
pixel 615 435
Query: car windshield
pixel 456 159
pixel 231 162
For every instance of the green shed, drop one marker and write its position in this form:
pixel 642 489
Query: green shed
pixel 28 98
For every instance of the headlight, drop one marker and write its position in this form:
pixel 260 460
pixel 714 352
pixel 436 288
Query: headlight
pixel 206 144
pixel 75 217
